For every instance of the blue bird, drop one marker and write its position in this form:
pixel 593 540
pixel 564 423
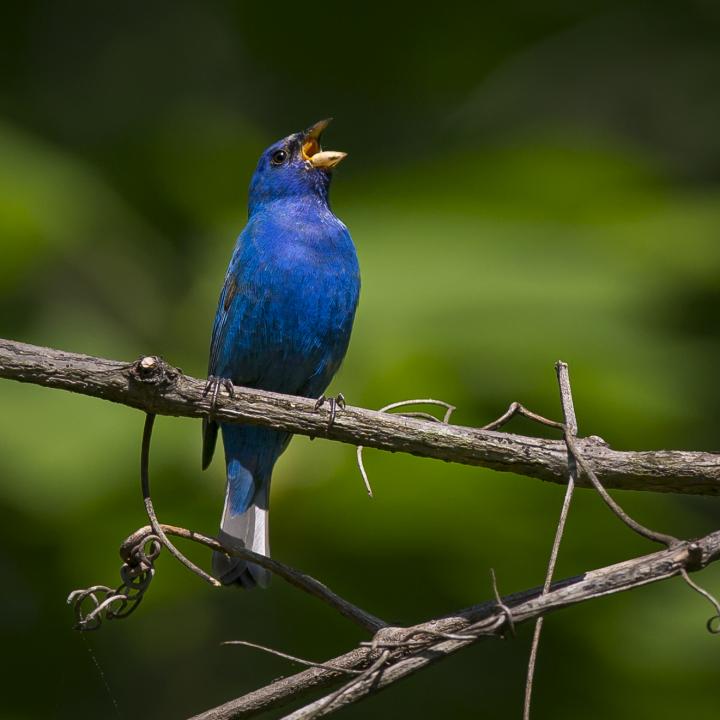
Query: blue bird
pixel 283 324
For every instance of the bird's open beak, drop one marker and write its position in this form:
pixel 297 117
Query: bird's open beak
pixel 313 153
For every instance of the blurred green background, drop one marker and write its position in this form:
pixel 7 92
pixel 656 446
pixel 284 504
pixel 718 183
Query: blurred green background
pixel 525 182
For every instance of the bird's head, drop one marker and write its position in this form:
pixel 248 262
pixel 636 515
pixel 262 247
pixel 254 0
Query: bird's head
pixel 295 166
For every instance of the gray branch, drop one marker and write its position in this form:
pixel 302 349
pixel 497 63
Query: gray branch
pixel 412 649
pixel 154 386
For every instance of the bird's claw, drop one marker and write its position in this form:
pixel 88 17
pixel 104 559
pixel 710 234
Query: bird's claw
pixel 334 403
pixel 212 388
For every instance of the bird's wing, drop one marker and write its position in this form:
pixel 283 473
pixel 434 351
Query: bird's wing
pixel 223 318
pixel 210 433
pixel 228 311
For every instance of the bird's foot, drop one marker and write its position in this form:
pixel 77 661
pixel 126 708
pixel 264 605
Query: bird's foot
pixel 334 403
pixel 212 388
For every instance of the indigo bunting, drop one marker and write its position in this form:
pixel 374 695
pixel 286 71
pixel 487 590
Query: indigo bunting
pixel 283 324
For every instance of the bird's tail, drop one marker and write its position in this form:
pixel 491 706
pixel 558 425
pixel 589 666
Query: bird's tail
pixel 247 530
pixel 250 454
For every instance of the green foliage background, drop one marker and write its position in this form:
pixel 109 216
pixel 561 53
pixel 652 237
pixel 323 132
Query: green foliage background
pixel 525 182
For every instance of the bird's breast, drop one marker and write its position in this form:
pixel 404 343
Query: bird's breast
pixel 300 289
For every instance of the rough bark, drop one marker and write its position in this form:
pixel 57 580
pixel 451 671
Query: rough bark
pixel 153 386
pixel 483 620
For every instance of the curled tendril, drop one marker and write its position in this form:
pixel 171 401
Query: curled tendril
pixel 95 604
pixel 713 625
pixel 449 409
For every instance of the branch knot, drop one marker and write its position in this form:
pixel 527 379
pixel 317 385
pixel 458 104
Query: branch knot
pixel 153 370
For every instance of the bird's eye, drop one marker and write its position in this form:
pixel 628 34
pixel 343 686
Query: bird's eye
pixel 278 157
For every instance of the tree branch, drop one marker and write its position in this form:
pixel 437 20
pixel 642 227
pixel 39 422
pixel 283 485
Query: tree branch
pixel 571 427
pixel 153 386
pixel 414 648
pixel 292 576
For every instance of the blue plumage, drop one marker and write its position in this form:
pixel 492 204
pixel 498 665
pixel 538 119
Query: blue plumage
pixel 283 323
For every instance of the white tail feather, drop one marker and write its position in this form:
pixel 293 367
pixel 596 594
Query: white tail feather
pixel 247 530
